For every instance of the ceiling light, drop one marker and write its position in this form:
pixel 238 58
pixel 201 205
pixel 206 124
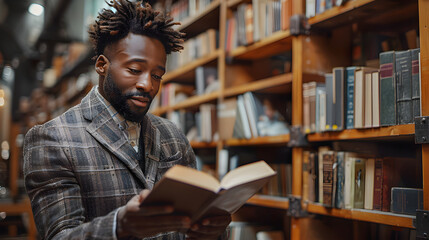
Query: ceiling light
pixel 36 9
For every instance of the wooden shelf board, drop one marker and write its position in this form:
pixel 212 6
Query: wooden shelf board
pixel 16 208
pixel 278 42
pixel 267 140
pixel 272 82
pixel 209 16
pixel 370 133
pixel 195 144
pixel 387 218
pixel 269 201
pixel 363 11
pixel 188 71
pixel 191 102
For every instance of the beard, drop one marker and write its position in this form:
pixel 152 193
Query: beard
pixel 119 99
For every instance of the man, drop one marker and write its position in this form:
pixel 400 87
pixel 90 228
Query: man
pixel 88 170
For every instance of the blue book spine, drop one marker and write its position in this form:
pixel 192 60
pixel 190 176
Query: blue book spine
pixel 339 198
pixel 350 93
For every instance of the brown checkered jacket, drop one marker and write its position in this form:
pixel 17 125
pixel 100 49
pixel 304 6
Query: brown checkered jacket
pixel 79 169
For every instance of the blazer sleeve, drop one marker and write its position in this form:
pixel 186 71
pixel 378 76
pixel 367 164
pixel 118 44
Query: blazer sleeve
pixel 54 191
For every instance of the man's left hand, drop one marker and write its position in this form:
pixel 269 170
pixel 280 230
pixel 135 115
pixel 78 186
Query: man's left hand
pixel 209 228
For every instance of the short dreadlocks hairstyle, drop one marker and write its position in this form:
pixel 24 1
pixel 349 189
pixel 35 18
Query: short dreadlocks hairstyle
pixel 137 18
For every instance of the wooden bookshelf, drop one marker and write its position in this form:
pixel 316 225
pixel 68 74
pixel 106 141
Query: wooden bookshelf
pixel 268 84
pixel 195 144
pixel 187 73
pixel 388 218
pixel 390 132
pixel 278 42
pixel 209 16
pixel 191 102
pixel 24 207
pixel 269 201
pixel 267 140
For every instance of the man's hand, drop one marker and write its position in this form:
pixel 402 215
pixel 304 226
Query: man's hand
pixel 209 228
pixel 145 221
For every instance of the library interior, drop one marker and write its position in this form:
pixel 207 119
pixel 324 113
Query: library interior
pixel 331 94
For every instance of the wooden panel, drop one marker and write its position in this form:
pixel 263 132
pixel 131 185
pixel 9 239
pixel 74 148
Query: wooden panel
pixel 424 62
pixel 269 140
pixel 195 144
pixel 278 42
pixel 187 73
pixel 258 85
pixel 387 218
pixel 269 201
pixel 209 16
pixel 382 132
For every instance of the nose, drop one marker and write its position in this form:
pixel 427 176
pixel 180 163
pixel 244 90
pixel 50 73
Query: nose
pixel 144 83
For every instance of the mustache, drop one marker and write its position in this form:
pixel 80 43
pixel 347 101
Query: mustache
pixel 138 94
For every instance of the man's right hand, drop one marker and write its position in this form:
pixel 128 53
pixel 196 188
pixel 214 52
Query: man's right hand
pixel 145 221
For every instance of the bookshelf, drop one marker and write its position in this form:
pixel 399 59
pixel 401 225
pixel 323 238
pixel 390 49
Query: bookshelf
pixel 328 45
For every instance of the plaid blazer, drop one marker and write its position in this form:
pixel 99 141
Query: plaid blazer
pixel 79 169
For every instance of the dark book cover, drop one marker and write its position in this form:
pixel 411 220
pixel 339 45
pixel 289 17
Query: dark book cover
pixel 329 81
pixel 328 161
pixel 359 183
pixel 378 184
pixel 403 87
pixel 388 181
pixel 305 175
pixel 350 78
pixel 387 89
pixel 339 198
pixel 406 200
pixel 415 81
pixel 338 98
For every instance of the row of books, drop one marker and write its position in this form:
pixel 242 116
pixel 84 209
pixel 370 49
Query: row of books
pixel 247 117
pixel 314 7
pixel 365 97
pixel 281 184
pixel 194 48
pixel 183 9
pixel 251 231
pixel 347 180
pixel 257 20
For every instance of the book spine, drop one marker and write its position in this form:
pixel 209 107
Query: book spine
pixel 338 98
pixel 387 89
pixel 312 179
pixel 415 81
pixel 378 183
pixel 328 161
pixel 403 87
pixel 369 184
pixel 305 175
pixel 387 184
pixel 406 200
pixel 350 97
pixel 359 183
pixel 329 101
pixel 339 198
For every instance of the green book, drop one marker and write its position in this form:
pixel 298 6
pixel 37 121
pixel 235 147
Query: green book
pixel 387 89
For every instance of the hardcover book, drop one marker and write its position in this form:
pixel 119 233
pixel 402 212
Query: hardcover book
pixel 339 198
pixel 387 89
pixel 404 105
pixel 359 183
pixel 406 200
pixel 415 81
pixel 328 161
pixel 329 81
pixel 350 96
pixel 369 183
pixel 339 76
pixel 180 185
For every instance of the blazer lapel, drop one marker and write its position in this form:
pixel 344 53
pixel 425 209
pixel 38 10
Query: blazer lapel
pixel 152 144
pixel 105 130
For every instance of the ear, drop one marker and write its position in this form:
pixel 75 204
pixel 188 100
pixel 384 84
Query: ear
pixel 101 65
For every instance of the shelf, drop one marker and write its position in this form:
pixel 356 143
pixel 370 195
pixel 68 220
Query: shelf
pixel 370 133
pixel 191 102
pixel 366 12
pixel 187 73
pixel 16 208
pixel 269 201
pixel 267 140
pixel 195 144
pixel 271 84
pixel 280 41
pixel 387 218
pixel 210 17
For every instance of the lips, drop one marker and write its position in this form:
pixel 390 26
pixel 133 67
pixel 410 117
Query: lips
pixel 140 101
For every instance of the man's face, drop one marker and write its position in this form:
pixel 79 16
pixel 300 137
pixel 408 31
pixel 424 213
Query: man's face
pixel 132 74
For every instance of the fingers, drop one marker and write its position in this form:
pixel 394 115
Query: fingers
pixel 209 228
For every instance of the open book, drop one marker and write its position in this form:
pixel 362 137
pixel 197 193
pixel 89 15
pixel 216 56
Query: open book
pixel 198 194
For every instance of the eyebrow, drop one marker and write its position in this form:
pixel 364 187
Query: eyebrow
pixel 144 61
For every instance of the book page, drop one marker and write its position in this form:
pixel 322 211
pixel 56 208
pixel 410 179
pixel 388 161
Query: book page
pixel 193 177
pixel 246 173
